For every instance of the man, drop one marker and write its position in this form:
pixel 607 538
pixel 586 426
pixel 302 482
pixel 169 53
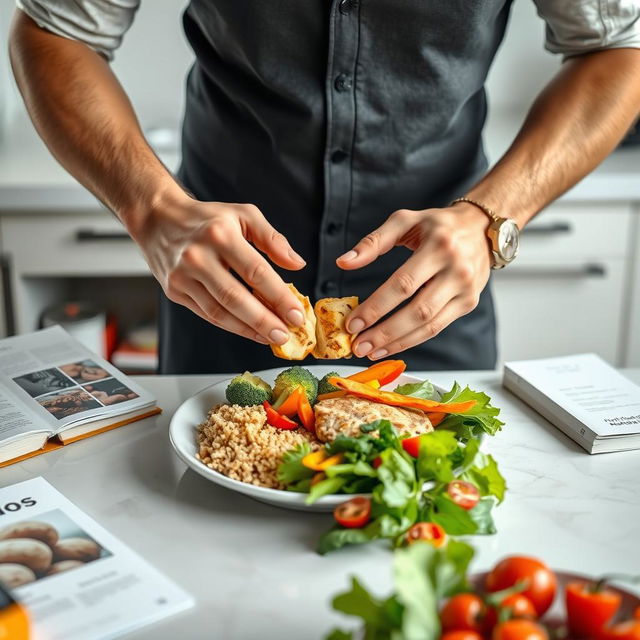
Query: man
pixel 340 131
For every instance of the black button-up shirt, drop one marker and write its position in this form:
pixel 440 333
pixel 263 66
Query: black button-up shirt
pixel 329 116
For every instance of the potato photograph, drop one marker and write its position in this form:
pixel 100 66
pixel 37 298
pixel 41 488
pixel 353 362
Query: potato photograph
pixel 31 529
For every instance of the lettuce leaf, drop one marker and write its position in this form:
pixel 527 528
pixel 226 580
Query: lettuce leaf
pixel 481 418
pixel 291 469
pixel 422 390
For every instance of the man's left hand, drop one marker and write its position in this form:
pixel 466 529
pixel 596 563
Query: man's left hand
pixel 445 275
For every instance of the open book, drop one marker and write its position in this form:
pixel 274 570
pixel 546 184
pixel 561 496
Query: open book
pixel 53 391
pixel 583 396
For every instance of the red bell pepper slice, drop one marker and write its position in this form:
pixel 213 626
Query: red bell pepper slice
pixel 277 420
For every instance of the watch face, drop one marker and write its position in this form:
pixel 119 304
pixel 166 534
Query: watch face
pixel 508 239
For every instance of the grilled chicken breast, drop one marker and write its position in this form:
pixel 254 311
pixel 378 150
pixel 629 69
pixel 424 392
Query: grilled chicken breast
pixel 346 414
pixel 302 339
pixel 332 339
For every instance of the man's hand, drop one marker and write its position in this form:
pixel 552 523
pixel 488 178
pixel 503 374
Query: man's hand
pixel 191 247
pixel 445 275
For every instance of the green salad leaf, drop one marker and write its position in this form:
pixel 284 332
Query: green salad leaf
pixel 291 470
pixel 424 390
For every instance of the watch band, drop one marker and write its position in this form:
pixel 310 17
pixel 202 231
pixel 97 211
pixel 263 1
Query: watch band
pixel 490 212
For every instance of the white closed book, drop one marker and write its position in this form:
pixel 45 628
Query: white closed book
pixel 582 395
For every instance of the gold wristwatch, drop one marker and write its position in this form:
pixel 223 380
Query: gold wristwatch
pixel 503 234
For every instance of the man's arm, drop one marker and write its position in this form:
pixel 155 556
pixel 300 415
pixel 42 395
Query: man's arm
pixel 85 118
pixel 576 121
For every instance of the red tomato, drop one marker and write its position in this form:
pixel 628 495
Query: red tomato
pixel 461 634
pixel 519 629
pixel 629 630
pixel 636 613
pixel 412 446
pixel 376 462
pixel 541 588
pixel 428 531
pixel 354 513
pixel 519 606
pixel 464 494
pixel 462 612
pixel 588 612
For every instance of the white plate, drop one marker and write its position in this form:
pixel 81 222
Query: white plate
pixel 193 411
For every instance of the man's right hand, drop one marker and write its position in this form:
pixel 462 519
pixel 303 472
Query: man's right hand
pixel 192 246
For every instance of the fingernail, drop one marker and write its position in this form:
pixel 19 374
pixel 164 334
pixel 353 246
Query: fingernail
pixel 277 336
pixel 294 256
pixel 350 255
pixel 378 353
pixel 363 348
pixel 295 318
pixel 355 326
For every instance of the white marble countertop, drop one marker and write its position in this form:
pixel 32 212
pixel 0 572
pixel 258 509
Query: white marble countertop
pixel 32 180
pixel 252 568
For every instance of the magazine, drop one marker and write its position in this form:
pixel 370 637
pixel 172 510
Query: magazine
pixel 75 580
pixel 53 391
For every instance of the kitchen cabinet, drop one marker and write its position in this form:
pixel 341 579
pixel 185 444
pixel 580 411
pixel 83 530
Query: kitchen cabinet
pixel 569 289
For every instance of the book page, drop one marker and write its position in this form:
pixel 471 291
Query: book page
pixel 63 382
pixel 75 579
pixel 589 388
pixel 16 419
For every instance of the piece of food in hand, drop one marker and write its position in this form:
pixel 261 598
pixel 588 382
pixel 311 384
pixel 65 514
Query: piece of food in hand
pixel 541 581
pixel 346 415
pixel 64 565
pixel 32 553
pixel 13 575
pixel 590 607
pixel 302 340
pixel 81 549
pixel 289 380
pixel 332 338
pixel 31 529
pixel 324 386
pixel 248 390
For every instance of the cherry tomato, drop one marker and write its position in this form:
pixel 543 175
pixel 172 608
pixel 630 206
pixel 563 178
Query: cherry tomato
pixel 588 611
pixel 462 612
pixel 519 607
pixel 376 462
pixel 461 634
pixel 354 513
pixel 428 531
pixel 464 494
pixel 411 446
pixel 519 629
pixel 629 630
pixel 542 584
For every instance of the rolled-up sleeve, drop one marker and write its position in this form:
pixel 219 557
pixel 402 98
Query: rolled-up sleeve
pixel 581 26
pixel 101 24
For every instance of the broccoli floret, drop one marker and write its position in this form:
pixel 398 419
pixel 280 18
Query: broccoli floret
pixel 291 378
pixel 248 390
pixel 324 386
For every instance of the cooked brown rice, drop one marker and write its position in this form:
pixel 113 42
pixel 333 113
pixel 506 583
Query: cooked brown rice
pixel 238 442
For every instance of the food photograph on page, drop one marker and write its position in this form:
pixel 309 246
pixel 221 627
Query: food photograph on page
pixel 320 320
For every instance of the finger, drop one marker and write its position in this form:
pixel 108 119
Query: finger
pixel 452 311
pixel 234 298
pixel 424 307
pixel 378 242
pixel 215 314
pixel 261 277
pixel 401 285
pixel 265 237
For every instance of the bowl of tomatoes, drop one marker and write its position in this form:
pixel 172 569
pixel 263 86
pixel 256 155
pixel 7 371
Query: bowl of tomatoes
pixel 521 598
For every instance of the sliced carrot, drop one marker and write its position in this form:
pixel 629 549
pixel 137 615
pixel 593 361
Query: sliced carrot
pixel 306 413
pixel 374 384
pixel 290 406
pixel 436 418
pixel 331 394
pixel 397 399
pixel 384 372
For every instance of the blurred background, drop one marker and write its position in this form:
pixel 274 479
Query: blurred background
pixel 64 258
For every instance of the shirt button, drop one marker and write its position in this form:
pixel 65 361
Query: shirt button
pixel 329 286
pixel 338 156
pixel 342 83
pixel 347 6
pixel 333 228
